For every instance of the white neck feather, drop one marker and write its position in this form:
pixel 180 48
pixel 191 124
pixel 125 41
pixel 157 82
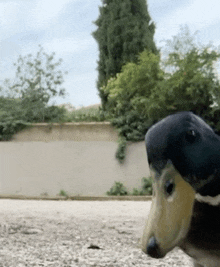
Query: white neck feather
pixel 214 201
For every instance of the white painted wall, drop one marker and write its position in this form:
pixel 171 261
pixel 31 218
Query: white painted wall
pixel 85 168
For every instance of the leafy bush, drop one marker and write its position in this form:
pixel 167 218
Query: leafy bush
pixel 46 114
pixel 146 188
pixel 120 153
pixel 54 114
pixel 14 117
pixel 190 83
pixel 63 193
pixel 38 78
pixel 11 118
pixel 149 90
pixel 25 99
pixel 9 127
pixel 136 81
pixel 118 189
pixel 85 114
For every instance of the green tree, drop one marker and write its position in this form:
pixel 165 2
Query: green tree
pixel 26 98
pixel 37 81
pixel 124 30
pixel 11 117
pixel 191 82
pixel 144 92
pixel 128 90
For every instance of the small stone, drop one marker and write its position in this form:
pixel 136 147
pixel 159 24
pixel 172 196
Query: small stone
pixel 93 247
pixel 31 231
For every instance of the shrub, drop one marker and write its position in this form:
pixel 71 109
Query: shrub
pixel 54 114
pixel 146 188
pixel 63 193
pixel 151 89
pixel 126 92
pixel 25 99
pixel 118 189
pixel 120 153
pixel 135 82
pixel 11 118
pixel 85 114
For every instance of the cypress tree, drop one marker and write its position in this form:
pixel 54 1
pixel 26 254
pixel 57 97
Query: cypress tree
pixel 124 30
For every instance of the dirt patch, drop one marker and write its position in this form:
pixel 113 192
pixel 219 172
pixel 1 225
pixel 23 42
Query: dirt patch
pixel 76 233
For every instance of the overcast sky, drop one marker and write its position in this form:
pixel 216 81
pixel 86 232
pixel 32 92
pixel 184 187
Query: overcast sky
pixel 65 27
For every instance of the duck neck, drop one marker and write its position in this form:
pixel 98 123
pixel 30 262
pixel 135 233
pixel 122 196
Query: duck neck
pixel 204 231
pixel 210 190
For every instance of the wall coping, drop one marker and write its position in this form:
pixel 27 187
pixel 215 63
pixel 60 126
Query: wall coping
pixel 68 131
pixel 70 123
pixel 79 198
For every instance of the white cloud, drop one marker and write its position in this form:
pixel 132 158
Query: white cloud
pixel 198 15
pixel 47 10
pixel 15 17
pixel 19 15
pixel 8 15
pixel 69 45
pixel 8 48
pixel 82 89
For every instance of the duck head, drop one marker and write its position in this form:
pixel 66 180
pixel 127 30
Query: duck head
pixel 184 159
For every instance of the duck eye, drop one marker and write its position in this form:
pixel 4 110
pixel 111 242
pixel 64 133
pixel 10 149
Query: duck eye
pixel 169 187
pixel 190 136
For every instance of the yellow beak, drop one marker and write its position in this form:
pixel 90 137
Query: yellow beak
pixel 170 215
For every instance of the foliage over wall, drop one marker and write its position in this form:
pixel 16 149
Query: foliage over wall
pixel 85 114
pixel 190 80
pixel 118 189
pixel 25 99
pixel 126 92
pixel 149 90
pixel 14 117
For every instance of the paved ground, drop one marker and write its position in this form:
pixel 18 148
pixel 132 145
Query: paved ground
pixel 76 233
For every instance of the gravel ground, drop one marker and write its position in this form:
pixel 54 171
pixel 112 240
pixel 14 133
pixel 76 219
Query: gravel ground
pixel 76 233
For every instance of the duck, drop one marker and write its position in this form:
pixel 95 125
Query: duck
pixel 183 154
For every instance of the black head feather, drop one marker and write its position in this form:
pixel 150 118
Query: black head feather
pixel 192 147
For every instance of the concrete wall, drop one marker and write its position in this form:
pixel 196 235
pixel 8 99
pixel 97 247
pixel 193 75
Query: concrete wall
pixel 77 158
